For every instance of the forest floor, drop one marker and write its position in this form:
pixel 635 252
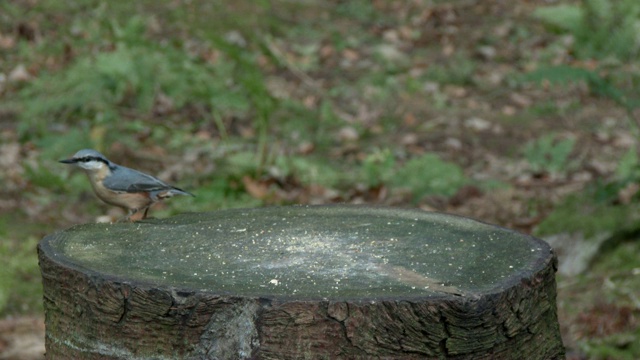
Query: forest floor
pixel 476 108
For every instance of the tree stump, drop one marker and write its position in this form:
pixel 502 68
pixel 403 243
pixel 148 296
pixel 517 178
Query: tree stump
pixel 300 282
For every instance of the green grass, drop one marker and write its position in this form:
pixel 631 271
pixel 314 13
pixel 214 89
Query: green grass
pixel 582 212
pixel 429 175
pixel 20 284
pixel 601 28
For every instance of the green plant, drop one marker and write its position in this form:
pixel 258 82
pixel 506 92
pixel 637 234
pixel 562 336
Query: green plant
pixel 360 10
pixel 565 74
pixel 252 84
pixel 458 71
pixel 378 167
pixel 618 265
pixel 599 85
pixel 309 170
pixel 105 88
pixel 20 288
pixel 429 175
pixel 600 28
pixel 627 173
pixel 583 212
pixel 628 168
pixel 220 193
pixel 549 154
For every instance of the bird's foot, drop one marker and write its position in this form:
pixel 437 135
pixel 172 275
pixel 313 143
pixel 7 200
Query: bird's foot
pixel 125 219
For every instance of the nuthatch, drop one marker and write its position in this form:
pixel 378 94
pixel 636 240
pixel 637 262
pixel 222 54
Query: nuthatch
pixel 121 186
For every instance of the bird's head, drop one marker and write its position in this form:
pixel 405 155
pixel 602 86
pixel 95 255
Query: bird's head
pixel 88 159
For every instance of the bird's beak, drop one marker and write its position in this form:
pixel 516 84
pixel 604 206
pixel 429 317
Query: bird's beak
pixel 68 161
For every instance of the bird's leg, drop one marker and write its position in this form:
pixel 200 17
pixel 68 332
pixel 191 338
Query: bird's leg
pixel 146 210
pixel 126 218
pixel 138 214
pixel 135 215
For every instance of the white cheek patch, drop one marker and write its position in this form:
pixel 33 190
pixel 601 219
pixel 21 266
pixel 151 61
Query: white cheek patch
pixel 91 165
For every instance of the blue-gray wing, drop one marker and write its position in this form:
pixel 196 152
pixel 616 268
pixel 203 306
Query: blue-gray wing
pixel 129 180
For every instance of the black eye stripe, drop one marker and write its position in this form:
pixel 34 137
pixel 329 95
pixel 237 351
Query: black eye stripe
pixel 92 158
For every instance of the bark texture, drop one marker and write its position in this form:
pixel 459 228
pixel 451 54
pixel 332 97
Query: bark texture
pixel 92 315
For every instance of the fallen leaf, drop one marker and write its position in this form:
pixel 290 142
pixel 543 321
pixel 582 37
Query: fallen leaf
pixel 257 189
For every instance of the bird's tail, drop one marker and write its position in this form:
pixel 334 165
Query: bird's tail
pixel 177 191
pixel 167 193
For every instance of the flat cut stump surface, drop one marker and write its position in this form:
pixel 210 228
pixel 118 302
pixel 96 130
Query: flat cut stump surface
pixel 299 282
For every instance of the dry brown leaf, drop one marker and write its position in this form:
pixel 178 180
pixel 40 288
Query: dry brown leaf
pixel 257 189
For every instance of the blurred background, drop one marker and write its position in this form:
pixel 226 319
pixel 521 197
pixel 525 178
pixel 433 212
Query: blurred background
pixel 522 113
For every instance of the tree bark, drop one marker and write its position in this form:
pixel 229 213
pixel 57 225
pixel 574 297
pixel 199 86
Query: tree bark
pixel 299 283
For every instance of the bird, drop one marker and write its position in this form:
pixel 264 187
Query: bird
pixel 117 185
